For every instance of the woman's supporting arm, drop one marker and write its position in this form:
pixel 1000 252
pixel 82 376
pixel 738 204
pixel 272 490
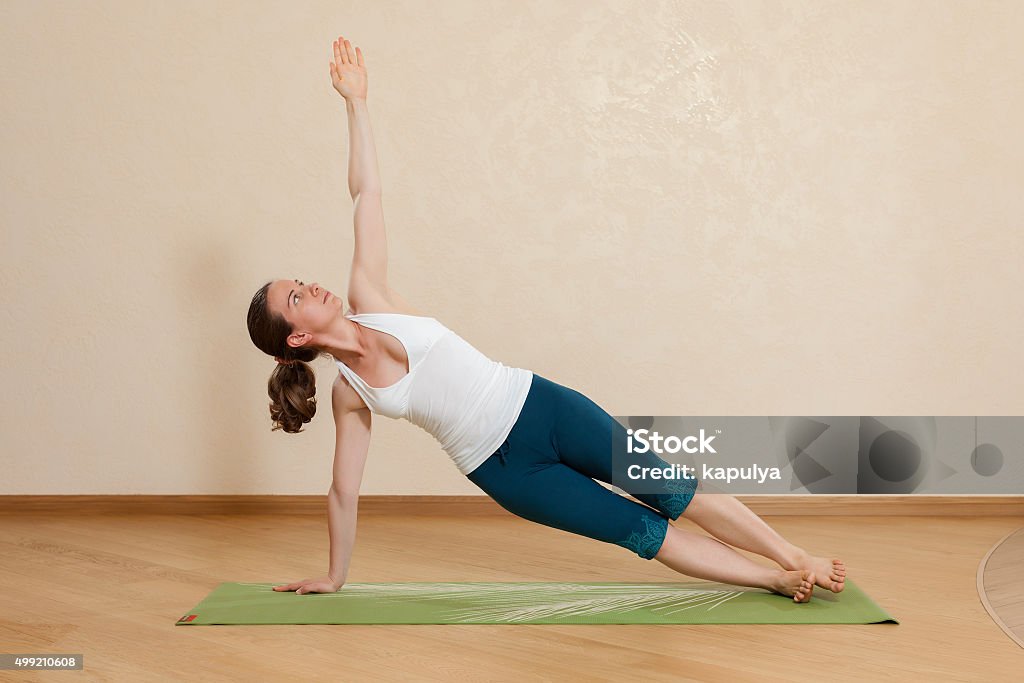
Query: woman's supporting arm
pixel 351 445
pixel 341 521
pixel 363 175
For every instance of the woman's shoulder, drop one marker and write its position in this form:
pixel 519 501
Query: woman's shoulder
pixel 344 397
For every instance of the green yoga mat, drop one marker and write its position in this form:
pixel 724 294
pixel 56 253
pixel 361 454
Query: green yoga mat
pixel 531 603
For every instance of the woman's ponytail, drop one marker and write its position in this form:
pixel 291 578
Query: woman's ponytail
pixel 292 391
pixel 292 386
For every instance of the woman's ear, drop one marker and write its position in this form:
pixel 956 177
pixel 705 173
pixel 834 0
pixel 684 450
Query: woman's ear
pixel 297 340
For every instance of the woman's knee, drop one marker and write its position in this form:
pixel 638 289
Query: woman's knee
pixel 647 540
pixel 676 539
pixel 670 540
pixel 675 497
pixel 693 507
pixel 702 501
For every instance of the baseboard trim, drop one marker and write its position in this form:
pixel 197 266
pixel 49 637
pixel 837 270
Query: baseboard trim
pixel 859 505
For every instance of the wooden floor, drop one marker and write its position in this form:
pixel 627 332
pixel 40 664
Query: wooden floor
pixel 1001 587
pixel 112 586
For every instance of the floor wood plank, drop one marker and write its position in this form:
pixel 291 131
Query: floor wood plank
pixel 112 586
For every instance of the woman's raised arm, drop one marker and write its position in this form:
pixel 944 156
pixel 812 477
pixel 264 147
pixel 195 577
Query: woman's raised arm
pixel 348 75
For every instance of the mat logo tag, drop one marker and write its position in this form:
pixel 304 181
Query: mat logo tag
pixel 188 617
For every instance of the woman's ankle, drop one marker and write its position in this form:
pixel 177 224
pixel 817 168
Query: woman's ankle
pixel 793 557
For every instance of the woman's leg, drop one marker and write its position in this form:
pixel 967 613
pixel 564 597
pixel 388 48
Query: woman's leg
pixel 529 476
pixel 726 518
pixel 590 441
pixel 697 555
pixel 587 438
pixel 555 495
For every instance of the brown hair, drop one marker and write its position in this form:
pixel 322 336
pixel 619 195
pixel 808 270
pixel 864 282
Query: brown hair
pixel 292 388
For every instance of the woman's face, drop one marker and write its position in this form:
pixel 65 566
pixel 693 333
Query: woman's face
pixel 309 308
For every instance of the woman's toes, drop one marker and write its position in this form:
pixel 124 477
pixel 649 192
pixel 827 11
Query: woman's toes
pixel 806 586
pixel 838 577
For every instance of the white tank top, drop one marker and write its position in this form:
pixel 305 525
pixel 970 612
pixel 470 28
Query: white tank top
pixel 465 400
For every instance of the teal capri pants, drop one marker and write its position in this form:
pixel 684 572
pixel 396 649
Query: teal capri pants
pixel 545 470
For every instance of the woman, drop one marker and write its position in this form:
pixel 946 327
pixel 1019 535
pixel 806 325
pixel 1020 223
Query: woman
pixel 534 446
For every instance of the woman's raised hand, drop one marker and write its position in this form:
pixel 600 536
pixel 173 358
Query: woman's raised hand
pixel 348 72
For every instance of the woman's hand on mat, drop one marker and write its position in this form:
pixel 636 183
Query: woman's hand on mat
pixel 348 73
pixel 324 584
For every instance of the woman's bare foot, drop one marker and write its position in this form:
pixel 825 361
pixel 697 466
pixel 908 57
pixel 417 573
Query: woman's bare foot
pixel 831 573
pixel 799 584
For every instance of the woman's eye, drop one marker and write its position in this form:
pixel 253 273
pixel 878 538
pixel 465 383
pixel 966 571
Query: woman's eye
pixel 295 299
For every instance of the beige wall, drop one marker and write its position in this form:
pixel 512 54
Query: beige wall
pixel 728 208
